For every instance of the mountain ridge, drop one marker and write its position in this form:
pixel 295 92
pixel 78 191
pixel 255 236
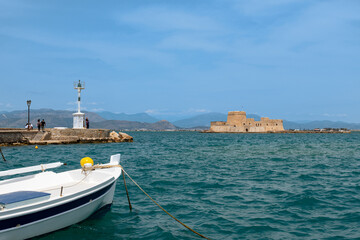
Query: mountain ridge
pixel 134 125
pixel 138 117
pixel 64 118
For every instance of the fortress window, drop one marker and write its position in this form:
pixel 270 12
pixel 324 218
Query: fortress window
pixel 276 124
pixel 244 124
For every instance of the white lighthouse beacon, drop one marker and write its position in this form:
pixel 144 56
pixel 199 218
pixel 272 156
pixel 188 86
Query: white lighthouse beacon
pixel 79 117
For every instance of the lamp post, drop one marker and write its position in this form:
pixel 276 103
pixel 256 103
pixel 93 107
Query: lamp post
pixel 28 102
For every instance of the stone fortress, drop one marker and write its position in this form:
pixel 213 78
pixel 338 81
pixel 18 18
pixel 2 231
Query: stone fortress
pixel 238 123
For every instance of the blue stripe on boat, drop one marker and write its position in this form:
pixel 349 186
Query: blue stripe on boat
pixel 20 196
pixel 36 216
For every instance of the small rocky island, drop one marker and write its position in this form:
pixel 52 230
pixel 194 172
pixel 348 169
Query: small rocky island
pixel 238 123
pixel 13 137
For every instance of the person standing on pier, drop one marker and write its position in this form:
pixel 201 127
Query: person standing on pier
pixel 38 124
pixel 87 123
pixel 43 124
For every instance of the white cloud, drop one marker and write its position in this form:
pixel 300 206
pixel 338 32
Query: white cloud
pixel 334 115
pixel 179 29
pixel 261 8
pixel 324 22
pixel 91 103
pixel 192 110
pixel 192 42
pixel 97 110
pixel 299 31
pixel 5 105
pixel 178 113
pixel 14 8
pixel 152 111
pixel 165 19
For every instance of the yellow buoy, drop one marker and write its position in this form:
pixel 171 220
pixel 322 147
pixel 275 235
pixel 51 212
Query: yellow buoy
pixel 36 147
pixel 86 160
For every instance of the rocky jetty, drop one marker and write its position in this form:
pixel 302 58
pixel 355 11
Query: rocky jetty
pixel 120 137
pixel 60 136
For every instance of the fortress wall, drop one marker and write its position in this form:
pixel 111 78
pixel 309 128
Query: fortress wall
pixel 257 129
pixel 228 128
pixel 216 126
pixel 249 122
pixel 274 125
pixel 217 123
pixel 236 118
pixel 232 129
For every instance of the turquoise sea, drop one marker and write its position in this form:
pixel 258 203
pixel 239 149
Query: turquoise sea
pixel 225 186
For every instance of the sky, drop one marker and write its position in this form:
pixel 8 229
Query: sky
pixel 287 59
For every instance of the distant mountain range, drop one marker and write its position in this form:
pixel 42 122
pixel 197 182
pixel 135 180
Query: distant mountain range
pixel 320 124
pixel 53 118
pixel 142 121
pixel 202 120
pixel 133 125
pixel 63 118
pixel 137 117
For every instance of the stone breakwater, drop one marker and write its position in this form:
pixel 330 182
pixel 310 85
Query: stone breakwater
pixel 13 137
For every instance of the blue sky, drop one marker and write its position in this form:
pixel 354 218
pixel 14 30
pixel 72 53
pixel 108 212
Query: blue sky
pixel 295 60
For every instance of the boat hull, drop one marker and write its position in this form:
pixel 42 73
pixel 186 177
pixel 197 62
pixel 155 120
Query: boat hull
pixel 57 217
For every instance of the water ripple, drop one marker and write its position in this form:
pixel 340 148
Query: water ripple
pixel 225 186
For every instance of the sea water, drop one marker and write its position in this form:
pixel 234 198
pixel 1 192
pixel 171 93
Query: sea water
pixel 224 186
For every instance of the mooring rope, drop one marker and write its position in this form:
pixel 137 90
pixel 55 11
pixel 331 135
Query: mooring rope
pixel 127 193
pixel 68 186
pixel 110 166
pixel 2 155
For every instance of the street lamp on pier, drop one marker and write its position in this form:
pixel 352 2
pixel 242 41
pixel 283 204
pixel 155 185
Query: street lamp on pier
pixel 28 102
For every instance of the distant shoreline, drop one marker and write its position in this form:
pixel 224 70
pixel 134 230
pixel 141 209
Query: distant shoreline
pixel 286 131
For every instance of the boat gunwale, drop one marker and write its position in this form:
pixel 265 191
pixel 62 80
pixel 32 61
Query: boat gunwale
pixel 101 192
pixel 52 201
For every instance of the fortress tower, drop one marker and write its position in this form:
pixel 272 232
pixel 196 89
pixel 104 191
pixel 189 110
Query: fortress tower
pixel 236 117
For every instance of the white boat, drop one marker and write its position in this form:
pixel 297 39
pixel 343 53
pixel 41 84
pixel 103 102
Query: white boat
pixel 47 201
